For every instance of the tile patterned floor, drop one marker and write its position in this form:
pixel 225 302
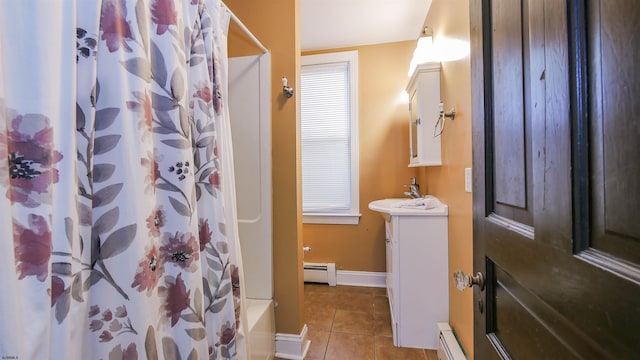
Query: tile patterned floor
pixel 352 323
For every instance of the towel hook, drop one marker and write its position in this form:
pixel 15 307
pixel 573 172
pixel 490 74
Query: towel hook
pixel 288 92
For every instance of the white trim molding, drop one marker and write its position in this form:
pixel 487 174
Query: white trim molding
pixel 293 346
pixel 362 278
pixel 330 218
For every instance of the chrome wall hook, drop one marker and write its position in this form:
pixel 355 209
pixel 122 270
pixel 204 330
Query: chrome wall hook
pixel 288 92
pixel 450 114
pixel 447 114
pixel 439 126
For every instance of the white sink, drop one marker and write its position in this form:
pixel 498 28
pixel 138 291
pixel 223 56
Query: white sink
pixel 386 206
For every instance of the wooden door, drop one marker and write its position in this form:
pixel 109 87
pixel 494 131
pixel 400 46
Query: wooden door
pixel 556 164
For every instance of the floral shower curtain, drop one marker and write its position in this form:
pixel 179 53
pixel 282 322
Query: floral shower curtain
pixel 117 240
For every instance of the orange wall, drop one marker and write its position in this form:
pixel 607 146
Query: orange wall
pixel 450 19
pixel 384 155
pixel 276 24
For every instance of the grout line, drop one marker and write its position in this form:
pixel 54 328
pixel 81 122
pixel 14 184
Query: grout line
pixel 375 336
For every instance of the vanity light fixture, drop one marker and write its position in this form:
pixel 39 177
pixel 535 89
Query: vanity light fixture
pixel 425 51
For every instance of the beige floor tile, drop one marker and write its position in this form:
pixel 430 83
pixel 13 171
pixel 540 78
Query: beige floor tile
pixel 342 289
pixel 431 354
pixel 353 322
pixel 319 340
pixel 321 297
pixel 384 350
pixel 355 302
pixel 380 306
pixel 382 327
pixel 382 291
pixel 343 346
pixel 319 316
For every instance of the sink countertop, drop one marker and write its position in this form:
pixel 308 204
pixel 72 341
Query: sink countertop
pixel 386 206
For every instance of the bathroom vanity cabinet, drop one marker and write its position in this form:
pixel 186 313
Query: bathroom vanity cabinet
pixel 424 94
pixel 417 272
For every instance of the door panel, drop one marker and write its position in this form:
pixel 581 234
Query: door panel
pixel 552 163
pixel 615 141
pixel 560 248
pixel 508 105
pixel 538 341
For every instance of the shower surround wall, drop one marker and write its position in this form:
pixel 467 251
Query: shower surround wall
pixel 250 112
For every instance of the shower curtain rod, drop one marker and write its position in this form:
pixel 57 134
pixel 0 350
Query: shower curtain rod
pixel 245 29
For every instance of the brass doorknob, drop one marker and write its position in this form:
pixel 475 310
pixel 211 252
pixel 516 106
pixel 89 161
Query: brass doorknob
pixel 464 281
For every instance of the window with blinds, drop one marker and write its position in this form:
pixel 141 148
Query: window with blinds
pixel 329 139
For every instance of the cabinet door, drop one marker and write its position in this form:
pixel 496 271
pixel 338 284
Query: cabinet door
pixel 390 262
pixel 392 273
pixel 424 95
pixel 414 118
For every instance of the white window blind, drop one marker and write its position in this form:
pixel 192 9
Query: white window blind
pixel 328 135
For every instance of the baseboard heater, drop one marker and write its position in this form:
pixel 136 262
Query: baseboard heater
pixel 324 273
pixel 448 346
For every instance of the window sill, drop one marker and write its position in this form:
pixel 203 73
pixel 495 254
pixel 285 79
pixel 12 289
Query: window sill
pixel 338 219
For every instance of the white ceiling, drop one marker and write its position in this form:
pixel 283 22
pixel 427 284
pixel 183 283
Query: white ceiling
pixel 327 24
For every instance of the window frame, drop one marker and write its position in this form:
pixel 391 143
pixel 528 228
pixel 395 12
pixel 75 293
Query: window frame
pixel 352 215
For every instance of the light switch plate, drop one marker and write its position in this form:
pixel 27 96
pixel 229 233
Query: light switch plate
pixel 467 180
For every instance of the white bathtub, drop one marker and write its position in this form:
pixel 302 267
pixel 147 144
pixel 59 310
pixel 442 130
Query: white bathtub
pixel 262 328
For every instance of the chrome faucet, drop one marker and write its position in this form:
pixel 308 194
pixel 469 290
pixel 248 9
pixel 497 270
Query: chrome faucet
pixel 413 189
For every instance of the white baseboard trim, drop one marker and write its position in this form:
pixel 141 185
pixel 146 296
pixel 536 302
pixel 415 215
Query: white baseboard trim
pixel 292 346
pixel 362 278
